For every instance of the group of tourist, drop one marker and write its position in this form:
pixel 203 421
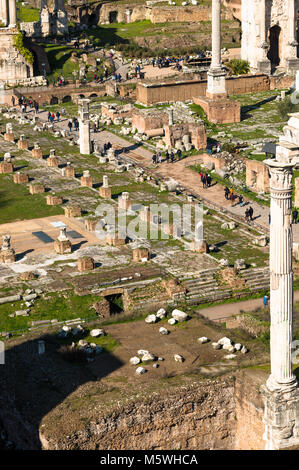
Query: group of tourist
pixel 170 157
pixel 162 62
pixel 206 180
pixel 73 123
pixel 25 104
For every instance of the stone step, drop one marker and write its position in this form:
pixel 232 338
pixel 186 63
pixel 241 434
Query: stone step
pixel 201 284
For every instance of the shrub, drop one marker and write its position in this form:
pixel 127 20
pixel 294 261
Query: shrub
pixel 285 107
pixel 19 44
pixel 238 67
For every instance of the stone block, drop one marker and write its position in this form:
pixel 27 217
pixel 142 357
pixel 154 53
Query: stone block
pixel 90 224
pixel 23 144
pixel 20 178
pixel 69 171
pixel 105 193
pixel 37 153
pixel 6 167
pixel 52 161
pixel 86 179
pixel 141 254
pixel 72 211
pixel 113 239
pixel 220 111
pixel 53 200
pixel 62 246
pixel 86 263
pixel 36 188
pixel 9 137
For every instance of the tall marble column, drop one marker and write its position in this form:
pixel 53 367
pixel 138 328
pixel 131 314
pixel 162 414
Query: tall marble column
pixel 281 276
pixel 84 127
pixel 216 74
pixel 12 13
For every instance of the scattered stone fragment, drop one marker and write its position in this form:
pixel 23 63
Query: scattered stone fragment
pixel 203 340
pixel 83 343
pixel 178 358
pixel 179 315
pixel 224 341
pixel 161 313
pixel 230 356
pixel 140 371
pixel 238 346
pixel 97 332
pixel 160 358
pixel 172 321
pixel 142 352
pixel 134 361
pixel 78 330
pixel 155 366
pixel 244 350
pixel 148 357
pixel 163 331
pixel 151 319
pixel 216 346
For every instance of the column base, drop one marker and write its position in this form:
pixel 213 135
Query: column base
pixel 281 418
pixel 216 83
pixel 220 111
pixel 264 66
pixel 274 386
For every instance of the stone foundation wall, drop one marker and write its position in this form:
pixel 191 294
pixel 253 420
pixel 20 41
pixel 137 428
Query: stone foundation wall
pixel 152 93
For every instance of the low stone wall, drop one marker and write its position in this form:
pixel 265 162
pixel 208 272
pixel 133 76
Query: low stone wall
pixel 152 93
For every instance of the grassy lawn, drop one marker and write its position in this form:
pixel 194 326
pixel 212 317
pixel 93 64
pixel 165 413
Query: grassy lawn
pixel 16 203
pixel 57 306
pixel 26 14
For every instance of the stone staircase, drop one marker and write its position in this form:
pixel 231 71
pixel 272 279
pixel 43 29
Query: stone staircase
pixel 257 278
pixel 206 289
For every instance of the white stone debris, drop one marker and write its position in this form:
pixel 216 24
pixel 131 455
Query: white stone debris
pixel 151 319
pixel 203 340
pixel 172 321
pixel 216 346
pixel 148 357
pixel 225 341
pixel 178 358
pixel 140 370
pixel 238 346
pixel 230 356
pixel 161 313
pixel 97 332
pixel 179 315
pixel 78 330
pixel 134 361
pixel 244 350
pixel 163 331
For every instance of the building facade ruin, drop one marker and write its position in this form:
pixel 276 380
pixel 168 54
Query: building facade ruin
pixel 270 35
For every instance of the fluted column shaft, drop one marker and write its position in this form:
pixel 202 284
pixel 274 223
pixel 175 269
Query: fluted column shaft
pixel 281 275
pixel 12 13
pixel 5 12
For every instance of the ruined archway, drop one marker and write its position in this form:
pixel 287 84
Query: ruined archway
pixel 54 100
pixel 113 16
pixel 274 40
pixel 66 99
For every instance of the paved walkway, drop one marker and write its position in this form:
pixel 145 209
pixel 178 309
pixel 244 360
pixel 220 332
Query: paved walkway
pixel 219 313
pixel 181 173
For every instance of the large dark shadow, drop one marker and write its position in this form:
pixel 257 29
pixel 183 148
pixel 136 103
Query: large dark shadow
pixel 32 385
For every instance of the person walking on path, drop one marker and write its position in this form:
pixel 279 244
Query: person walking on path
pixel 13 100
pixel 241 200
pixel 226 192
pixel 70 125
pixel 58 116
pixel 204 182
pixel 294 216
pixel 265 301
pixel 171 157
pixel 251 213
pixel 247 216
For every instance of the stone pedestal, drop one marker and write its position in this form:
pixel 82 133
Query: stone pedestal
pixel 9 137
pixel 86 179
pixel 6 167
pixel 113 239
pixel 36 188
pixel 37 151
pixel 281 418
pixel 52 161
pixel 124 201
pixel 53 200
pixel 7 253
pixel 23 143
pixel 105 193
pixel 86 263
pixel 199 246
pixel 90 224
pixel 141 254
pixel 220 110
pixel 68 171
pixel 72 211
pixel 20 178
pixel 63 245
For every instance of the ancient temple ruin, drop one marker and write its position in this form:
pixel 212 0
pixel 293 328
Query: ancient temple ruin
pixel 52 22
pixel 269 35
pixel 13 66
